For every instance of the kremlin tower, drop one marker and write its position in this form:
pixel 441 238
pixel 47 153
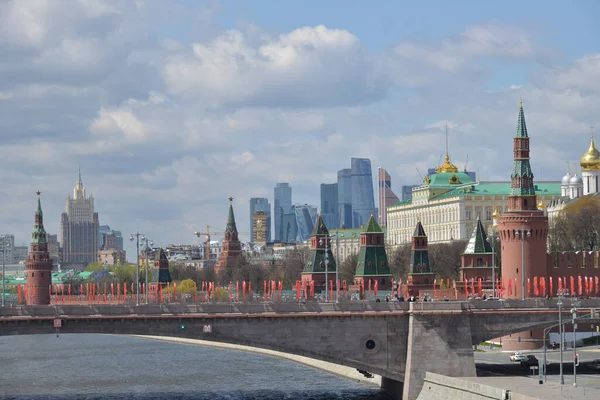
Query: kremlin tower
pixel 523 229
pixel 38 264
pixel 232 248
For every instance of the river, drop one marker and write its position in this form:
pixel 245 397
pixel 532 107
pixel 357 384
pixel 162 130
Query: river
pixel 114 367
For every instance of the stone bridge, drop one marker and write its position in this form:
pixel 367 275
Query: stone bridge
pixel 399 341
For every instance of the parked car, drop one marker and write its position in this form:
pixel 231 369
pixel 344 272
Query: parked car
pixel 518 356
pixel 530 361
pixel 493 299
pixel 594 365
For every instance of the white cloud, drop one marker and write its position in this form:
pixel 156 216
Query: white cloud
pixel 121 123
pixel 309 66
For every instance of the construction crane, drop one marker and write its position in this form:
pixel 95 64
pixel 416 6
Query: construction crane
pixel 207 234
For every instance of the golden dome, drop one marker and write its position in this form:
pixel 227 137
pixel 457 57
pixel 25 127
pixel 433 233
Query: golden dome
pixel 590 161
pixel 447 166
pixel 495 214
pixel 541 205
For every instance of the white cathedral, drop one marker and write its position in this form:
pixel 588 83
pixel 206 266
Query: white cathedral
pixel 574 186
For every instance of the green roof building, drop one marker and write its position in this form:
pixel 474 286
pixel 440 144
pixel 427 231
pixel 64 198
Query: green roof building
pixel 449 202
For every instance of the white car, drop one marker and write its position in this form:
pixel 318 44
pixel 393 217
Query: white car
pixel 518 356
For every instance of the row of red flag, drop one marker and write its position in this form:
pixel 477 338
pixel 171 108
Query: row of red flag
pixel 542 287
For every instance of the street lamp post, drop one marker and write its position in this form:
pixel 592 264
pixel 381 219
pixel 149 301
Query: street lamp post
pixel 522 233
pixel 137 265
pixel 146 269
pixel 493 239
pixel 561 293
pixel 326 268
pixel 574 312
pixel 337 261
pixel 3 271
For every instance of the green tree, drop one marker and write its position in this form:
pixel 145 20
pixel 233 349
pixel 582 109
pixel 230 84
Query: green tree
pixel 123 273
pixel 95 266
pixel 347 268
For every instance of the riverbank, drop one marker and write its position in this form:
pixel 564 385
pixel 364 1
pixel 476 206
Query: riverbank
pixel 340 370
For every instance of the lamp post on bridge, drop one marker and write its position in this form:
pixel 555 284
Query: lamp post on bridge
pixel 522 233
pixel 561 293
pixel 326 268
pixel 146 270
pixel 492 239
pixel 4 246
pixel 132 237
pixel 574 312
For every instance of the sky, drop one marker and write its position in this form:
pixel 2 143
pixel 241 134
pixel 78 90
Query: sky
pixel 170 107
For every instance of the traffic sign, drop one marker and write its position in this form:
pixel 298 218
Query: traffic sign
pixel 57 323
pixel 207 329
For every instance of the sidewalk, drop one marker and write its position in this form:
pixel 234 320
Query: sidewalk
pixel 531 387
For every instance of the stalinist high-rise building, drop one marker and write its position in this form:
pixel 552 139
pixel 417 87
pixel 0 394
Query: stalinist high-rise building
pixel 79 228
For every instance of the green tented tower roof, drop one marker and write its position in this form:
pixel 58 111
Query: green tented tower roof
pixel 478 243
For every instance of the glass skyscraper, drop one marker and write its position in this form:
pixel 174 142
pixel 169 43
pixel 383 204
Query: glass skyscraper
pixel 329 205
pixel 345 198
pixel 260 204
pixel 298 223
pixel 363 200
pixel 282 201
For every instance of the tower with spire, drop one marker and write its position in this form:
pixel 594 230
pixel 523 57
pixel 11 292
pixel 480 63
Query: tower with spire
pixel 38 264
pixel 232 248
pixel 420 277
pixel 372 259
pixel 477 258
pixel 161 263
pixel 523 229
pixel 79 228
pixel 320 256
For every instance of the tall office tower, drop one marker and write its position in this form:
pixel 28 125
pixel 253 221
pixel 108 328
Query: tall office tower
pixel 260 204
pixel 363 200
pixel 345 198
pixel 407 191
pixel 79 228
pixel 282 201
pixel 329 205
pixel 259 228
pixel 385 196
pixel 7 244
pixel 298 223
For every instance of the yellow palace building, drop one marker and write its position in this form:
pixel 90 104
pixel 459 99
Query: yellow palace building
pixel 449 202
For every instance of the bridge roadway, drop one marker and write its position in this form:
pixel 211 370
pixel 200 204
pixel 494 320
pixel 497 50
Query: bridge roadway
pixel 399 341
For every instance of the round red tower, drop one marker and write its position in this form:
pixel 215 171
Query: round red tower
pixel 523 229
pixel 38 264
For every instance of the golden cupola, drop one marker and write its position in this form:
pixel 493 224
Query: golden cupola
pixel 447 166
pixel 590 161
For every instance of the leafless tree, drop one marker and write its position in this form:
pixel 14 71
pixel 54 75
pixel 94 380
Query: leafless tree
pixel 399 260
pixel 577 226
pixel 347 268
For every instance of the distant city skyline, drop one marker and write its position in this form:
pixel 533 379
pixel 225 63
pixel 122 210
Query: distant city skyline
pixel 170 109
